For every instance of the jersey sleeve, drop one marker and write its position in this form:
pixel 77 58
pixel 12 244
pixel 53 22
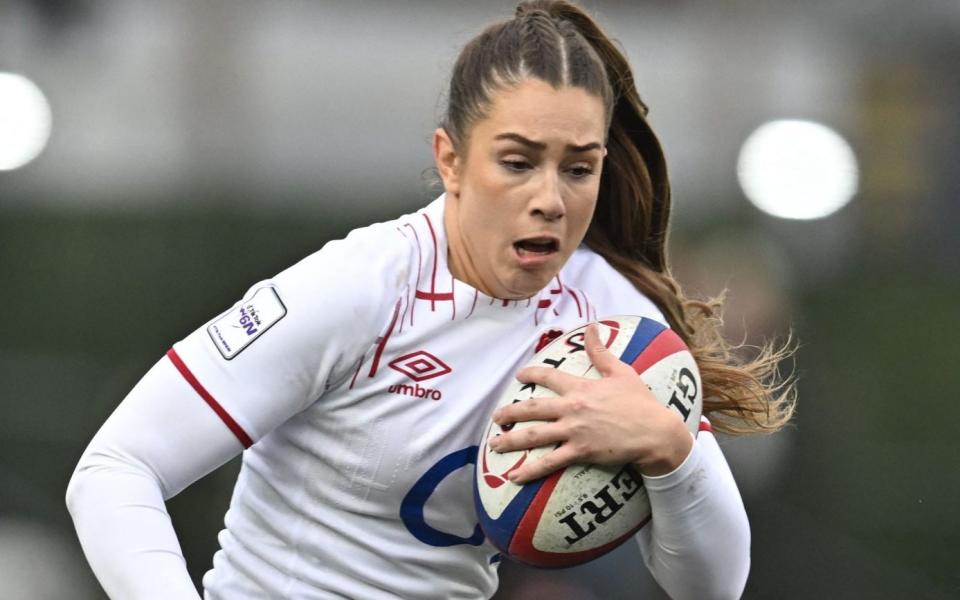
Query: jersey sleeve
pixel 697 545
pixel 291 337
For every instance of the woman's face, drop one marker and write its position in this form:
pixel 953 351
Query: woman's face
pixel 521 194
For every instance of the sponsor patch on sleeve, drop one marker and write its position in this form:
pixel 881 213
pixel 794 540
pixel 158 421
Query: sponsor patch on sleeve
pixel 241 325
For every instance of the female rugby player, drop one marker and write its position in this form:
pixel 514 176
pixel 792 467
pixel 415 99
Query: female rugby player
pixel 358 381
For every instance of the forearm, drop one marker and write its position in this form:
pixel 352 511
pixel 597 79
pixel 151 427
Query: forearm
pixel 126 533
pixel 160 439
pixel 697 544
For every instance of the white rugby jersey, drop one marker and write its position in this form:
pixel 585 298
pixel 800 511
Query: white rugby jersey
pixel 360 380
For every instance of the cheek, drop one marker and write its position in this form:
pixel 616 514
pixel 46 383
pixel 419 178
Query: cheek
pixel 489 182
pixel 479 221
pixel 484 199
pixel 581 213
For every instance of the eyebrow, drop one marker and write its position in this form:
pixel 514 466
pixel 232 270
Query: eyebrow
pixel 516 137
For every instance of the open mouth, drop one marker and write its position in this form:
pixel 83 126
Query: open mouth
pixel 537 246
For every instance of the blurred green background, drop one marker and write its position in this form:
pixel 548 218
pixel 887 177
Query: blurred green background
pixel 198 149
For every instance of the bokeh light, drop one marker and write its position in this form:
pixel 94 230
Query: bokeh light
pixel 24 121
pixel 797 169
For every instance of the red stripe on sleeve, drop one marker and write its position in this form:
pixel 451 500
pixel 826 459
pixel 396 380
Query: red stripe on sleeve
pixel 209 399
pixel 705 425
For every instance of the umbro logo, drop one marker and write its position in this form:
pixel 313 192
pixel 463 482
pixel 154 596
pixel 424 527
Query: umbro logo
pixel 418 366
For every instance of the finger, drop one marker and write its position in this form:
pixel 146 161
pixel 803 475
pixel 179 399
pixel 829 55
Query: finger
pixel 603 360
pixel 548 463
pixel 533 409
pixel 552 379
pixel 528 437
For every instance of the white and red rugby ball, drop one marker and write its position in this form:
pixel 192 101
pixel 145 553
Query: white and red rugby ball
pixel 583 511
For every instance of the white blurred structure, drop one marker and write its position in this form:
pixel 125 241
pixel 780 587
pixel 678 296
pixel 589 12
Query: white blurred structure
pixel 797 170
pixel 324 99
pixel 24 121
pixel 313 106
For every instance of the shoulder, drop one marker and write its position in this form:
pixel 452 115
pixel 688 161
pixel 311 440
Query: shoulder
pixel 325 310
pixel 349 288
pixel 610 291
pixel 370 264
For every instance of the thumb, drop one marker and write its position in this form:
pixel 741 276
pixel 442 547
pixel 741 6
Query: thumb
pixel 605 362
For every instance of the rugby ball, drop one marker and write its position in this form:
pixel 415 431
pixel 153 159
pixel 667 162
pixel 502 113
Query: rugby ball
pixel 583 511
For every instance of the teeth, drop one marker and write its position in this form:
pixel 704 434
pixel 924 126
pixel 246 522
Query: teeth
pixel 532 247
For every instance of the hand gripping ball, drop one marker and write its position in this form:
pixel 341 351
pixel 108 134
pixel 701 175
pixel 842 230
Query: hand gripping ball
pixel 583 511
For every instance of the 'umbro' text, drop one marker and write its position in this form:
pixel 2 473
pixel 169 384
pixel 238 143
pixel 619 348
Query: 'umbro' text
pixel 415 391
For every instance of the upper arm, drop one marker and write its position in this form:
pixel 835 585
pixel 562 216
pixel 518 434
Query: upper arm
pixel 248 370
pixel 160 432
pixel 275 352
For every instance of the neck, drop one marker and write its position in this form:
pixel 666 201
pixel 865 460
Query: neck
pixel 458 258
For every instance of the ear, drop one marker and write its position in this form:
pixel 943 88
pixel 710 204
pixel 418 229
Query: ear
pixel 447 160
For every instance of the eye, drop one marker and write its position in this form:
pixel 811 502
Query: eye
pixel 516 166
pixel 580 171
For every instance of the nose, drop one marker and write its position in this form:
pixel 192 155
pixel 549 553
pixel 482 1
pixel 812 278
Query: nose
pixel 547 201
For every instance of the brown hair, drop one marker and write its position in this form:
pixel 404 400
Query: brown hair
pixel 557 42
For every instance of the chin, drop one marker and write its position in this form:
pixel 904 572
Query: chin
pixel 529 285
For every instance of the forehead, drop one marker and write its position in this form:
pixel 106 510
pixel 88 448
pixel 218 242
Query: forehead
pixel 534 109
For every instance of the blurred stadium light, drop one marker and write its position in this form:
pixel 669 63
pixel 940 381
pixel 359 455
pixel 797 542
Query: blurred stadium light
pixel 797 169
pixel 24 121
